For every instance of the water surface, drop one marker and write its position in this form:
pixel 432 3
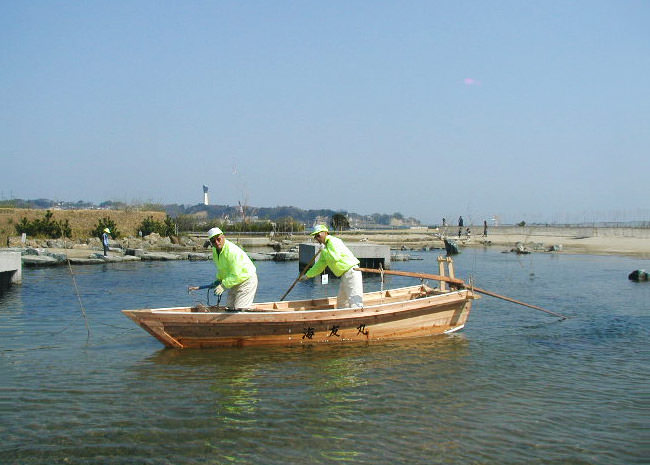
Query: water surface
pixel 516 386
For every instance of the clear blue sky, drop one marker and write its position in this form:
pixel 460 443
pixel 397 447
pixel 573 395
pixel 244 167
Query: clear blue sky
pixel 524 110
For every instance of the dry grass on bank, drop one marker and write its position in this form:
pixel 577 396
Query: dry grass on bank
pixel 81 221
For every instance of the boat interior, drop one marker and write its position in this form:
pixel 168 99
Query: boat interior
pixel 369 298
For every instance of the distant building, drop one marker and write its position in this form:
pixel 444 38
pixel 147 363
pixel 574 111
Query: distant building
pixel 205 195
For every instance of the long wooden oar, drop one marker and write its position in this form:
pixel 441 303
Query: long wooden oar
pixel 304 270
pixel 459 282
pixel 436 277
pixel 492 294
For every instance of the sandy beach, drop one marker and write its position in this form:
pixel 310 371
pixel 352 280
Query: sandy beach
pixel 631 246
pixel 576 240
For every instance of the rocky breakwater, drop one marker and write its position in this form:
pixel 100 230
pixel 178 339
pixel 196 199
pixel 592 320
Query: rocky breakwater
pixel 51 252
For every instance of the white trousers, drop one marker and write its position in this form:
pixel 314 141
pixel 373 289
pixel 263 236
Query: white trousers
pixel 350 290
pixel 243 294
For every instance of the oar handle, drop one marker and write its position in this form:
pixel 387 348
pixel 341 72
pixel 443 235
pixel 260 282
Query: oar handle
pixel 461 283
pixel 304 270
pixel 514 301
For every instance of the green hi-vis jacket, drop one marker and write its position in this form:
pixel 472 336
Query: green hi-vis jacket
pixel 233 265
pixel 335 255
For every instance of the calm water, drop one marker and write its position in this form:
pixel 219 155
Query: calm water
pixel 516 386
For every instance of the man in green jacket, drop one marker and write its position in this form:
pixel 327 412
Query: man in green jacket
pixel 235 271
pixel 341 261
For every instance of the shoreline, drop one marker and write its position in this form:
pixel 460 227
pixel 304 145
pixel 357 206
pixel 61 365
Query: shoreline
pixel 629 242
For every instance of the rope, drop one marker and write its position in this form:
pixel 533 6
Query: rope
pixel 76 289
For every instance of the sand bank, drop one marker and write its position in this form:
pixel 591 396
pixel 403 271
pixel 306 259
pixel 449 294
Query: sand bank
pixel 576 240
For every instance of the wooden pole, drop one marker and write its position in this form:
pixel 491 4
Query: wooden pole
pixel 492 294
pixel 304 270
pixel 461 283
pixel 436 277
pixel 441 270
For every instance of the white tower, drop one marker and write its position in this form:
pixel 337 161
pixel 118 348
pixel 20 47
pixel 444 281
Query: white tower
pixel 205 195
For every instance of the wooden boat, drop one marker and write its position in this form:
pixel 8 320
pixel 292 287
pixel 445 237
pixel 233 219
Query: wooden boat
pixel 411 311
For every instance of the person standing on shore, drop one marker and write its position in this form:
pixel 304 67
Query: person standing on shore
pixel 342 262
pixel 105 240
pixel 484 228
pixel 235 271
pixel 460 225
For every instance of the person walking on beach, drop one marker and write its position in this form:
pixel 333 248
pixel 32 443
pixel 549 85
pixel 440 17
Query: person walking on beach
pixel 235 271
pixel 342 262
pixel 105 240
pixel 460 225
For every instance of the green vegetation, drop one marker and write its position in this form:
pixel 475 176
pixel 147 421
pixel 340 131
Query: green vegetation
pixel 282 226
pixel 44 227
pixel 191 223
pixel 166 228
pixel 103 223
pixel 340 222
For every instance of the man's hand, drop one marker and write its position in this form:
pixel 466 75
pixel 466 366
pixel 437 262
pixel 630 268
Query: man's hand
pixel 219 290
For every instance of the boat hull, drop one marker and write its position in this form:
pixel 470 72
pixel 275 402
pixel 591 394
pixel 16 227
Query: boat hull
pixel 407 312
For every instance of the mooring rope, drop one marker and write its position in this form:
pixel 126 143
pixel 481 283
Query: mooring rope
pixel 76 289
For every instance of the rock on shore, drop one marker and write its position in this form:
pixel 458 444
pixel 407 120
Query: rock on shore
pixel 50 252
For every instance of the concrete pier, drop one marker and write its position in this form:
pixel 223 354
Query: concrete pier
pixel 370 255
pixel 11 271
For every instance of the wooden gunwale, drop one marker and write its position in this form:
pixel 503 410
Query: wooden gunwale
pixel 434 313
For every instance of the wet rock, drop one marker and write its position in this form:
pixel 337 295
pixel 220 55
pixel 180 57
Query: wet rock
pixel 86 261
pixel 186 241
pixel 195 256
pixel 638 275
pixel 39 260
pixel 152 238
pixel 260 256
pixel 520 249
pixel 59 257
pixel 159 256
pixel 110 258
pixel 135 252
pixel 285 256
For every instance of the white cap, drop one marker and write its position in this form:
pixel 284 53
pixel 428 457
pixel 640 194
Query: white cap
pixel 214 232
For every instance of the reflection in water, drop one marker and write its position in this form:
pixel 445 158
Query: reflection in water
pixel 323 394
pixel 242 402
pixel 236 396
